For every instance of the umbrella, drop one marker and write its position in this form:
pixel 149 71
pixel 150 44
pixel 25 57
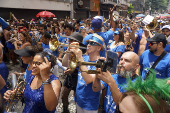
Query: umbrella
pixel 45 14
pixel 140 15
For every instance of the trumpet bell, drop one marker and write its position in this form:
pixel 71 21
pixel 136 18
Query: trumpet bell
pixel 73 62
pixel 152 25
pixel 53 44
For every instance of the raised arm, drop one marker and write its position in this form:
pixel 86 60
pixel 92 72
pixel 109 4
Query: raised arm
pixel 51 90
pixel 15 18
pixel 112 22
pixel 133 36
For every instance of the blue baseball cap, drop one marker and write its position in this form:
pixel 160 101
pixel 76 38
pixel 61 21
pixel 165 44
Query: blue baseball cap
pixel 97 39
pixel 97 22
pixel 3 23
pixel 116 32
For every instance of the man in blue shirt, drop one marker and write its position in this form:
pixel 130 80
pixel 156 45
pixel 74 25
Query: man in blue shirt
pixel 97 25
pixel 147 59
pixel 114 84
pixel 45 44
pixel 139 39
pixel 87 101
pixel 166 32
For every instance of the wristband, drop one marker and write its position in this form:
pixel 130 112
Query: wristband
pixel 48 81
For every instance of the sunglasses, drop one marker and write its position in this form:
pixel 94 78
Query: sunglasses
pixel 117 109
pixel 116 34
pixel 93 44
pixel 37 63
pixel 151 43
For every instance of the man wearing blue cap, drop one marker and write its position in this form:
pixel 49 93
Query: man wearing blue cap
pixel 87 101
pixel 97 25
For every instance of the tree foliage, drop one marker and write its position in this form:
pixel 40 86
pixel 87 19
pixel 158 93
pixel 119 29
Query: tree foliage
pixel 156 5
pixel 130 8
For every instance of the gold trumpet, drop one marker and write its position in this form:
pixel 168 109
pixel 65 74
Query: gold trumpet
pixel 54 44
pixel 19 88
pixel 104 65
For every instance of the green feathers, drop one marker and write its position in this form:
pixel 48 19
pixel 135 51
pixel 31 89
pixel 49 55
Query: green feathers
pixel 150 86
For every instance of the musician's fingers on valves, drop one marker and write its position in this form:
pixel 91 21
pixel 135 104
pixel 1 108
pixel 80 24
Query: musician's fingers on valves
pixel 8 94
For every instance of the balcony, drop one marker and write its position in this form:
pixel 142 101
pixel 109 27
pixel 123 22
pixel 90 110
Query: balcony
pixel 61 0
pixel 108 1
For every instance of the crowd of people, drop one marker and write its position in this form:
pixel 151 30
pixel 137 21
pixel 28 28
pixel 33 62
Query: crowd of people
pixel 139 50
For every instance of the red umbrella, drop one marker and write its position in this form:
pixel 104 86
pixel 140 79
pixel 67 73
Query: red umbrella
pixel 45 14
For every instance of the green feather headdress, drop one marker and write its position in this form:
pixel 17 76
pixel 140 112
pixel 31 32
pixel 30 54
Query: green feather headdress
pixel 150 86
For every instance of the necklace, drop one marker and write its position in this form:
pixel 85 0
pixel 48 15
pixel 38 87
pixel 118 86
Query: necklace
pixel 114 45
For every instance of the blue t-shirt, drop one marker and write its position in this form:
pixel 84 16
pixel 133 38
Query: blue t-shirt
pixel 106 36
pixel 119 48
pixel 27 74
pixel 47 49
pixel 109 104
pixel 65 41
pixel 85 97
pixel 117 29
pixel 4 73
pixel 162 69
pixel 3 23
pixel 167 48
pixel 136 42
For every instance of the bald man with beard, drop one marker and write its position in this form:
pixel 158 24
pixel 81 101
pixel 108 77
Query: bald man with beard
pixel 129 62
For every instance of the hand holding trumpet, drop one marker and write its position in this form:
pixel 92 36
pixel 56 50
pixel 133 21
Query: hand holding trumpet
pixel 76 51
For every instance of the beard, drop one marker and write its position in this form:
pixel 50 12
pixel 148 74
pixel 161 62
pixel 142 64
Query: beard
pixel 124 73
pixel 153 51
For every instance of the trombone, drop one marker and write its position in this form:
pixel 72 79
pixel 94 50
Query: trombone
pixel 54 44
pixel 109 65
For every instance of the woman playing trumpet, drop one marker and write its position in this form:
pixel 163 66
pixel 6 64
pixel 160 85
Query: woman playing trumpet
pixel 42 91
pixel 25 41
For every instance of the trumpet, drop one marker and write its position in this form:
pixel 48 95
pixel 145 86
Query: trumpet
pixel 54 44
pixel 19 87
pixel 110 64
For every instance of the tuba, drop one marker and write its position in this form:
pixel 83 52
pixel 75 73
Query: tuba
pixel 150 22
pixel 152 25
pixel 16 96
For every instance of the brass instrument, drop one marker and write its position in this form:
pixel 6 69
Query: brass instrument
pixel 152 25
pixel 104 65
pixel 19 88
pixel 54 44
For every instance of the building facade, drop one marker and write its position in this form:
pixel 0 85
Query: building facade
pixel 29 8
pixel 138 6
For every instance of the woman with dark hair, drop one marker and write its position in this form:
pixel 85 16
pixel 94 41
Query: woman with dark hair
pixel 25 40
pixel 57 31
pixel 118 45
pixel 42 91
pixel 27 55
